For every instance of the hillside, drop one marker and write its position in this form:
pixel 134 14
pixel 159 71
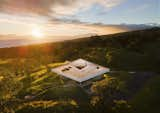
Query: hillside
pixel 130 50
pixel 28 86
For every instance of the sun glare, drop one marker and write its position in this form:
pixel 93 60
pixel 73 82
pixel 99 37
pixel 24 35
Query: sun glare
pixel 37 33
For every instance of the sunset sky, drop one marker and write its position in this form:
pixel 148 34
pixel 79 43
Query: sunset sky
pixel 75 17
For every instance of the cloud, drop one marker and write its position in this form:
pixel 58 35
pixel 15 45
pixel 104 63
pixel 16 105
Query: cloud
pixel 61 26
pixel 27 10
pixel 75 27
pixel 26 7
pixel 77 5
pixel 49 11
pixel 51 7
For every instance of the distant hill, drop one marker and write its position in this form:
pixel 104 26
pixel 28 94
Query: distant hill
pixel 13 40
pixel 129 50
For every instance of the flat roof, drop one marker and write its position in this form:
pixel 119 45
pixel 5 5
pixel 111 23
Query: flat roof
pixel 80 70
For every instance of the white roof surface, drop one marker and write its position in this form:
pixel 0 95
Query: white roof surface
pixel 80 70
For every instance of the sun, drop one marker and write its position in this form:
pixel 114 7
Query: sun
pixel 37 33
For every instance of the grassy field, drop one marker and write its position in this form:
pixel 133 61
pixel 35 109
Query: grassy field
pixel 28 85
pixel 147 99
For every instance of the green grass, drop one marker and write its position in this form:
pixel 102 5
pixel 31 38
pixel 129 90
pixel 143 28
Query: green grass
pixel 47 107
pixel 148 98
pixel 53 65
pixel 2 61
pixel 39 73
pixel 63 93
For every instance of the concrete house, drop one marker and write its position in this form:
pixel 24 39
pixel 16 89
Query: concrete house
pixel 80 70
